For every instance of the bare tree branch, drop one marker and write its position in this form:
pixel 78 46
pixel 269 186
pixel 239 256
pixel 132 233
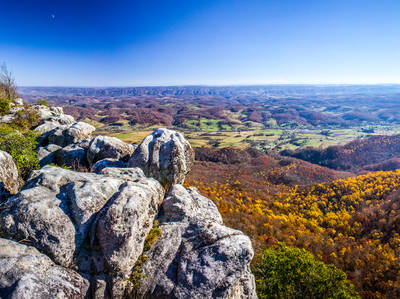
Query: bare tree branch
pixel 8 88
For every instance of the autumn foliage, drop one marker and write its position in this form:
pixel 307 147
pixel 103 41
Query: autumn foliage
pixel 353 223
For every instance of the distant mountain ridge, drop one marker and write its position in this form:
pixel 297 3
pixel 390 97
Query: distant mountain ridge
pixel 251 90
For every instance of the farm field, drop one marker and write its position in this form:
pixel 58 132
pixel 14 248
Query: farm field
pixel 262 139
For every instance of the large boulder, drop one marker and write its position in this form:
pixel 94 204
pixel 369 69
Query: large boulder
pixel 103 147
pixel 69 134
pixel 164 155
pixel 47 154
pixel 47 126
pixel 26 273
pixel 125 174
pixel 107 163
pixel 196 256
pixel 53 115
pixel 123 225
pixel 9 182
pixel 72 155
pixel 57 211
pixel 51 118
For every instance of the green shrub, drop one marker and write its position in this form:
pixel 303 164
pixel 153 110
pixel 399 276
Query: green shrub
pixel 4 106
pixel 26 118
pixel 289 272
pixel 43 102
pixel 21 146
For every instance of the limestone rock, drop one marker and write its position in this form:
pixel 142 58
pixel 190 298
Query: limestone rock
pixel 63 135
pixel 72 155
pixel 47 126
pixel 125 174
pixel 103 147
pixel 69 134
pixel 164 155
pixel 62 212
pixel 46 155
pixel 53 114
pixel 107 163
pixel 123 224
pixel 55 210
pixel 26 273
pixel 9 182
pixel 96 224
pixel 196 256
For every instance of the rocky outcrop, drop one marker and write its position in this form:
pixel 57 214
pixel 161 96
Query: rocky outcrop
pixel 52 115
pixel 98 228
pixel 68 134
pixel 49 117
pixel 103 147
pixel 26 273
pixel 196 255
pixel 9 182
pixel 126 174
pixel 107 163
pixel 47 154
pixel 18 102
pixel 164 155
pixel 54 210
pixel 123 225
pixel 72 155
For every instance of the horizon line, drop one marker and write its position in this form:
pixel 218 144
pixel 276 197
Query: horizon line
pixel 210 85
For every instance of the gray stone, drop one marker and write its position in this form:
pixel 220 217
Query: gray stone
pixel 103 147
pixel 53 114
pixel 72 155
pixel 164 155
pixel 26 273
pixel 85 143
pixel 55 210
pixel 47 155
pixel 9 181
pixel 125 174
pixel 97 223
pixel 47 126
pixel 123 224
pixel 107 163
pixel 196 256
pixel 68 134
pixel 49 117
pixel 183 204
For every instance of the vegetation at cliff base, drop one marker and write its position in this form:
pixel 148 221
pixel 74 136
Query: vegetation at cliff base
pixel 289 272
pixel 17 138
pixel 21 146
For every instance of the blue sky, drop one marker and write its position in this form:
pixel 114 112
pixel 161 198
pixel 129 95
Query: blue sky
pixel 214 42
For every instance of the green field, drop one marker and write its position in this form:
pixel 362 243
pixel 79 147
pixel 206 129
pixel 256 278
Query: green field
pixel 206 132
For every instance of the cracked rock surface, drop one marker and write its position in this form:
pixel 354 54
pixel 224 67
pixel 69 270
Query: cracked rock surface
pixel 69 234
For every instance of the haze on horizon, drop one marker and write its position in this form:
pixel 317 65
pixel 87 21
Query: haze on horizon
pixel 209 42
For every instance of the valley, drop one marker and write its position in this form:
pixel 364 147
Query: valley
pixel 262 117
pixel 313 167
